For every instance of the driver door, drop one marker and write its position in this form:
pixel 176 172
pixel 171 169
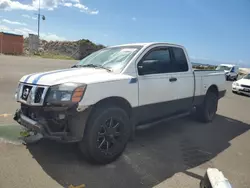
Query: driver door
pixel 157 85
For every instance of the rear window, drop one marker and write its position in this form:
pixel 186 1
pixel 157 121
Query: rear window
pixel 180 61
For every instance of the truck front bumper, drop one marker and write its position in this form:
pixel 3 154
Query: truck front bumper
pixel 71 128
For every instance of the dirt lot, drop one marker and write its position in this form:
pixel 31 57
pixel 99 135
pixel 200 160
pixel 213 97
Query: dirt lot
pixel 173 154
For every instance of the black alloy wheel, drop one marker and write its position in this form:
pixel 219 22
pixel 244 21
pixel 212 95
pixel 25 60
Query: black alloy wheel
pixel 109 134
pixel 106 134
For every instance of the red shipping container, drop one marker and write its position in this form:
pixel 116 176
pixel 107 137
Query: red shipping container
pixel 11 43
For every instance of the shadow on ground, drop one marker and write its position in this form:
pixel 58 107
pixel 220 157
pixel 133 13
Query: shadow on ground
pixel 157 154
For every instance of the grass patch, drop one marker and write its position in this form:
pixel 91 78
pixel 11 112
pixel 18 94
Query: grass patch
pixel 55 56
pixel 52 56
pixel 10 132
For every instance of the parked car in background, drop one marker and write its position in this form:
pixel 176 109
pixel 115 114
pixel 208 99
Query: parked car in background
pixel 99 101
pixel 231 71
pixel 242 85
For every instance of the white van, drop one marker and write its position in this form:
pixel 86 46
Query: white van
pixel 231 71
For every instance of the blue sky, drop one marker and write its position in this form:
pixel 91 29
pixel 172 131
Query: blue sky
pixel 213 31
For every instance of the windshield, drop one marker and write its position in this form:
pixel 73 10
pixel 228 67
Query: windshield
pixel 247 77
pixel 114 58
pixel 223 68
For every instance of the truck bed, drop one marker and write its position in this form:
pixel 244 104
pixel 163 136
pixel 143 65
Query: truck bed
pixel 206 78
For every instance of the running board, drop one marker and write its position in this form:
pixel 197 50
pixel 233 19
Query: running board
pixel 147 125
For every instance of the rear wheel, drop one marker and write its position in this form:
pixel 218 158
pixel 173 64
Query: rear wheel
pixel 106 135
pixel 207 111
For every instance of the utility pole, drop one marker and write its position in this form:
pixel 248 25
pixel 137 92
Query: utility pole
pixel 39 18
pixel 38 32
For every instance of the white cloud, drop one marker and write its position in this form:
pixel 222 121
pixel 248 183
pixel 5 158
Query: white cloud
pixel 29 17
pixel 4 28
pixel 25 16
pixel 47 4
pixel 134 19
pixel 44 4
pixel 13 22
pixel 51 37
pixel 26 31
pixel 67 4
pixel 14 5
pixel 75 1
pixel 85 9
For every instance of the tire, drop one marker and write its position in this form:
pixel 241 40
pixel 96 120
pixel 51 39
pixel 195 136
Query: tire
pixel 236 78
pixel 207 111
pixel 106 135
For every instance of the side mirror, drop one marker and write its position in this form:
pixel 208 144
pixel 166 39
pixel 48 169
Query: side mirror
pixel 146 66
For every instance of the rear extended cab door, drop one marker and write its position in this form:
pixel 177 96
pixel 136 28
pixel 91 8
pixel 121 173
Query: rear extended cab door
pixel 167 88
pixel 182 70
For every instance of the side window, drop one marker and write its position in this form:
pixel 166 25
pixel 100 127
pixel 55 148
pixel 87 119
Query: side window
pixel 232 70
pixel 180 61
pixel 155 62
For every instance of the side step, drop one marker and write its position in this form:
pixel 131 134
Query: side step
pixel 153 123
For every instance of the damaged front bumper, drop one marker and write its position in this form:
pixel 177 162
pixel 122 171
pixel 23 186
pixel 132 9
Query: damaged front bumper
pixel 63 124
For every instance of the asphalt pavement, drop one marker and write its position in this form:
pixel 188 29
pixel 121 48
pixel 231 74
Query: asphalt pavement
pixel 173 154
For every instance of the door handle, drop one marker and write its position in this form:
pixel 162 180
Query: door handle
pixel 172 79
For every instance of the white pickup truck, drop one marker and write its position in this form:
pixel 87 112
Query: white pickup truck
pixel 99 101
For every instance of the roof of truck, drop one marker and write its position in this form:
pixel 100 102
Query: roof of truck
pixel 228 65
pixel 147 44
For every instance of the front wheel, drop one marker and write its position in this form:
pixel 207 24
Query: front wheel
pixel 106 135
pixel 207 111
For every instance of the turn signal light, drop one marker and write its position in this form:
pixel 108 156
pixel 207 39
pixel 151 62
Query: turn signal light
pixel 77 94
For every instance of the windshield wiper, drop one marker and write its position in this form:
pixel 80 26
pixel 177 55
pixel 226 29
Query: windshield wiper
pixel 92 65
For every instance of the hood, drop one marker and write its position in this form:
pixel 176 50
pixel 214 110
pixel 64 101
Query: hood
pixel 226 71
pixel 244 82
pixel 79 75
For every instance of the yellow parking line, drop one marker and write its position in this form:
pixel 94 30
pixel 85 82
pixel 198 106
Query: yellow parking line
pixel 79 186
pixel 5 115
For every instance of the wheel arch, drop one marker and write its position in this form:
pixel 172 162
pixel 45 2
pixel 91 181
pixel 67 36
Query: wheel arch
pixel 213 88
pixel 117 101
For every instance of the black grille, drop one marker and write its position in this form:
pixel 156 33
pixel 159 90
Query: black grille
pixel 244 90
pixel 245 86
pixel 38 94
pixel 25 92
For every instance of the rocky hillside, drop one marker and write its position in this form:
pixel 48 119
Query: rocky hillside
pixel 75 49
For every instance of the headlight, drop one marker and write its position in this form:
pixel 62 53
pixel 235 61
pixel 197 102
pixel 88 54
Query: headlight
pixel 236 84
pixel 67 92
pixel 17 90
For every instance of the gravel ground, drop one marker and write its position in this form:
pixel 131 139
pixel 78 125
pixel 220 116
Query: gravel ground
pixel 174 154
